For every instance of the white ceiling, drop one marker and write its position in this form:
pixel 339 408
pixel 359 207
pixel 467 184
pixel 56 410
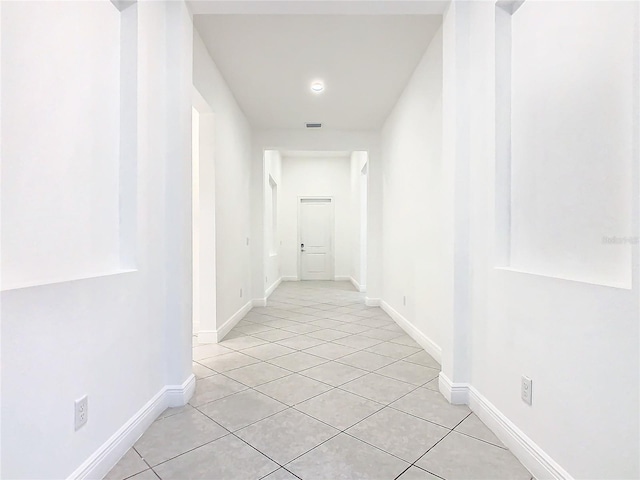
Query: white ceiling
pixel 269 62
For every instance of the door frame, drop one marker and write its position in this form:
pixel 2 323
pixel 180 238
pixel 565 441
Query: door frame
pixel 332 204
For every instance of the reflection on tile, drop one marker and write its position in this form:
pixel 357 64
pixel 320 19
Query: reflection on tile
pixel 293 389
pixel 286 435
pixel 398 433
pixel 338 408
pixel 462 457
pixel 344 458
pixel 241 409
pixel 225 459
pixel 378 388
pixel 432 406
pixel 171 436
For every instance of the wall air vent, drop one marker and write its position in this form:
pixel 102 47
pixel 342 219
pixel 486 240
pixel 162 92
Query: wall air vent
pixel 314 125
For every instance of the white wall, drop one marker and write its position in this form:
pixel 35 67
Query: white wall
pixel 273 169
pixel 113 337
pixel 62 141
pixel 323 177
pixel 572 124
pixel 232 186
pixel 358 220
pixel 415 244
pixel 578 341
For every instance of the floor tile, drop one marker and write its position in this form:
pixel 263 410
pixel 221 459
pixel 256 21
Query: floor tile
pixel 225 459
pixel 380 334
pixel 242 342
pixel 302 328
pixel 257 374
pixel 352 328
pixel 433 385
pixel 415 473
pixel 200 371
pixel 177 434
pixel 228 361
pixel 300 342
pixel 432 406
pixel 346 458
pixel 128 466
pixel 209 350
pixel 286 435
pixel 358 342
pixel 268 351
pixel 461 457
pixel 338 408
pixel 241 409
pixel 378 388
pixel 213 388
pixel 146 475
pixel 174 411
pixel 330 351
pixel 393 350
pixel 328 334
pixel 298 361
pixel 423 358
pixel 409 372
pixel 275 335
pixel 474 427
pixel 406 340
pixel 376 322
pixel 366 360
pixel 293 389
pixel 281 474
pixel 399 433
pixel 253 328
pixel 326 323
pixel 334 373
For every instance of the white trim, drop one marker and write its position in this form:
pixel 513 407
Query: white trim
pixel 371 302
pixel 455 393
pixel 290 279
pixel 215 336
pixel 342 278
pixel 425 342
pixel 272 288
pixel 536 460
pixel 358 287
pixel 111 451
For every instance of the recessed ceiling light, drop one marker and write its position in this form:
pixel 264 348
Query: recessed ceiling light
pixel 317 87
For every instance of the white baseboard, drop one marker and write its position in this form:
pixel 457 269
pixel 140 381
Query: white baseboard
pixel 358 287
pixel 290 279
pixel 215 336
pixel 372 302
pixel 536 460
pixel 272 288
pixel 111 451
pixel 425 342
pixel 341 278
pixel 455 393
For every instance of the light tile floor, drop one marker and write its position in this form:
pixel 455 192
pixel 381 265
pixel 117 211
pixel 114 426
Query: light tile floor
pixel 317 386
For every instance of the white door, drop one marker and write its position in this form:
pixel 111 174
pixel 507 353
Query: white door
pixel 316 238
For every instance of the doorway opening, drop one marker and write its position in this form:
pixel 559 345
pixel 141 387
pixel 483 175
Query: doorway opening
pixel 315 217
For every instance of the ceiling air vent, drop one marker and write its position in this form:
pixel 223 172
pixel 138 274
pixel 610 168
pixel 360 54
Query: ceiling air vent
pixel 314 125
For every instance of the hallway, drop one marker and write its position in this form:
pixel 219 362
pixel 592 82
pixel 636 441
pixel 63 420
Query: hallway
pixel 322 387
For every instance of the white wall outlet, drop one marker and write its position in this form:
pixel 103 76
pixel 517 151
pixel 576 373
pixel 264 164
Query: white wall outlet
pixel 526 390
pixel 81 411
pixel 247 241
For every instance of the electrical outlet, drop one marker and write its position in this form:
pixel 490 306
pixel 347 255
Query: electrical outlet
pixel 81 411
pixel 240 293
pixel 404 300
pixel 247 241
pixel 526 390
